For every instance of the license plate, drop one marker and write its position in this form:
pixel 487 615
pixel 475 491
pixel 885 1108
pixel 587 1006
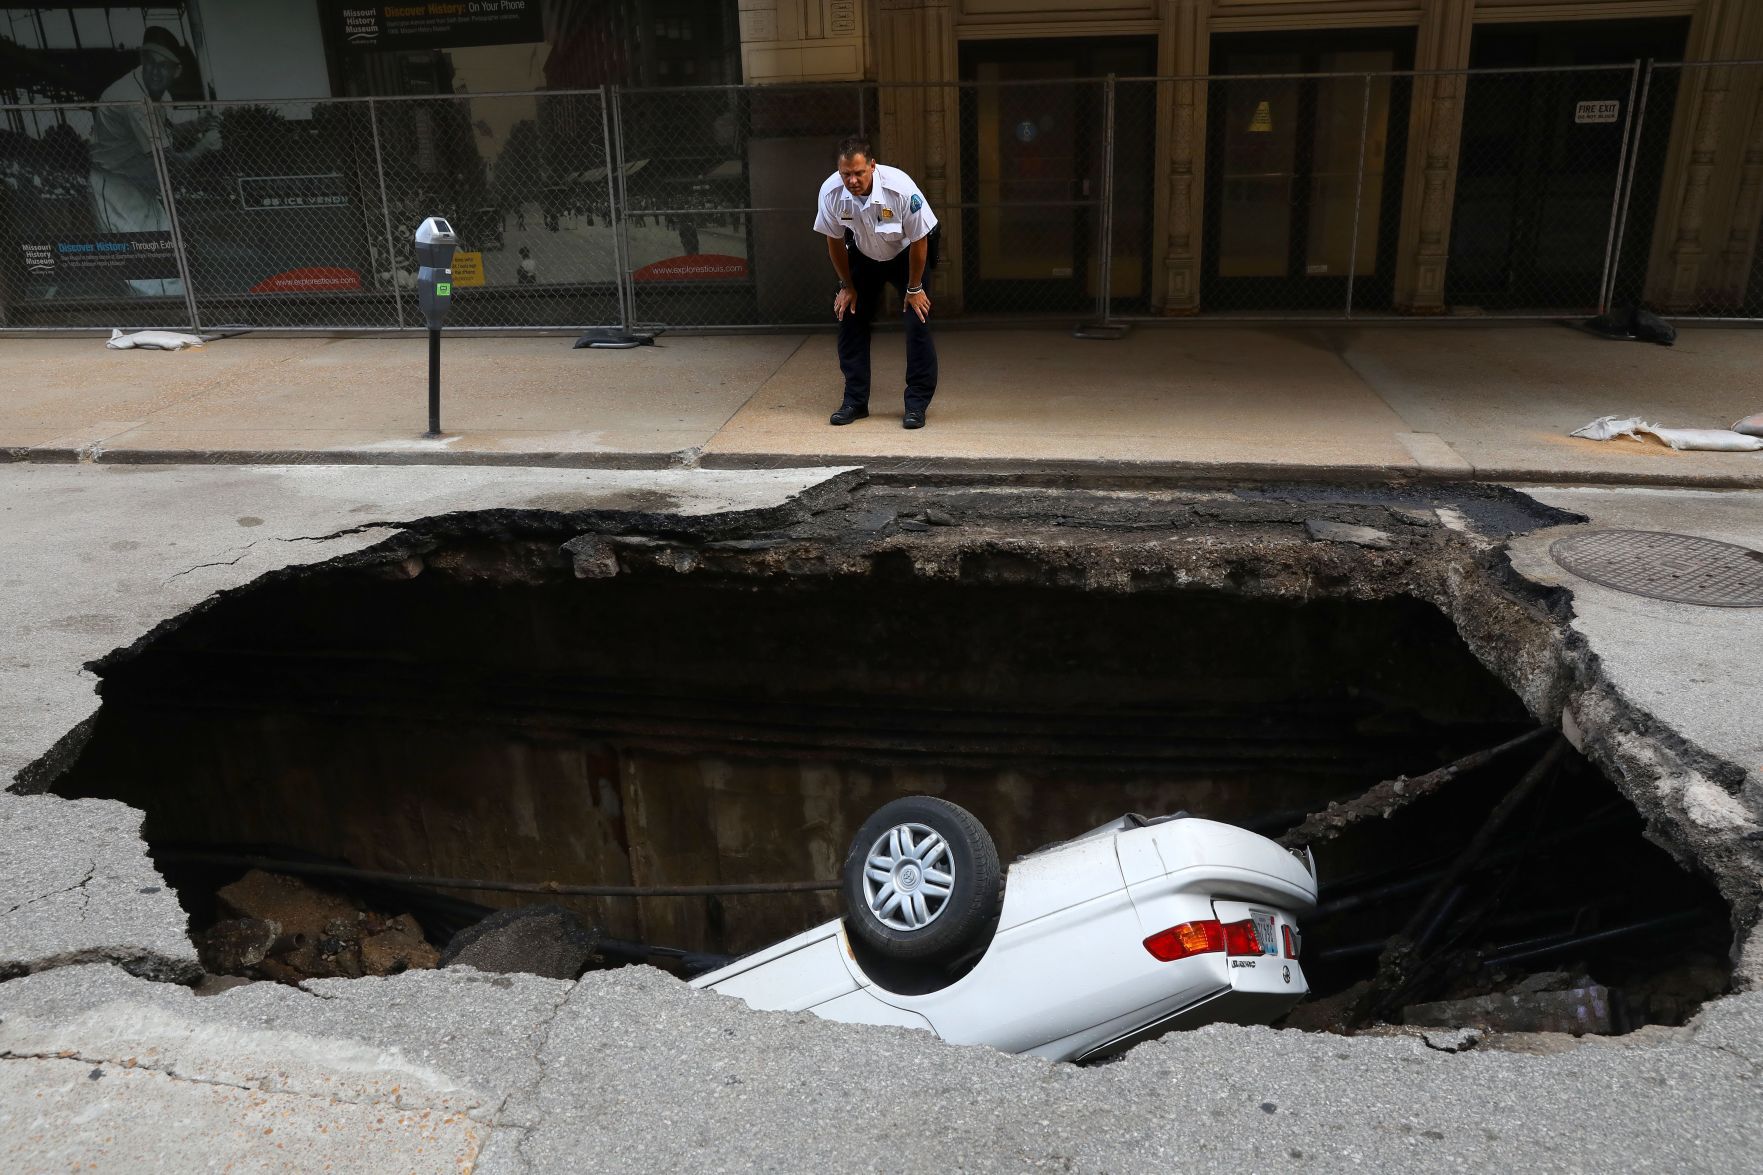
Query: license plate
pixel 1264 932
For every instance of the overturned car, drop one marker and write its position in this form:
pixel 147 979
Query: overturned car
pixel 1086 948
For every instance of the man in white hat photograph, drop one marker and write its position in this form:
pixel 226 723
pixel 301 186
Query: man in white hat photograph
pixel 125 184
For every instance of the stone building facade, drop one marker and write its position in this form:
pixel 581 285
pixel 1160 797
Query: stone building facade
pixel 1695 209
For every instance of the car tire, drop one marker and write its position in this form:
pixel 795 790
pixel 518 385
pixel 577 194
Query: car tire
pixel 922 882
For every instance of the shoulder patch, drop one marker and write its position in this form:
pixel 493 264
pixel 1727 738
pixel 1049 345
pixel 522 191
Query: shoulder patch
pixel 915 203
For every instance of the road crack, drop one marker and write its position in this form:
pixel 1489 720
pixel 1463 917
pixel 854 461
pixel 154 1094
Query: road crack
pixel 91 872
pixel 266 1085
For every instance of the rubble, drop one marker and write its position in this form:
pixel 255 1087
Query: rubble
pixel 232 945
pixel 281 928
pixel 1578 1011
pixel 1324 531
pixel 547 941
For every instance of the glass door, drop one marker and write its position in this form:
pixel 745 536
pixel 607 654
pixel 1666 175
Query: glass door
pixel 1295 200
pixel 1032 138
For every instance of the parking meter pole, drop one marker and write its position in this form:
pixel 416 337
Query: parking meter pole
pixel 434 383
pixel 435 242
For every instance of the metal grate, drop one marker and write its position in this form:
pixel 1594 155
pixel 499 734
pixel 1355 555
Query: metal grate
pixel 1665 566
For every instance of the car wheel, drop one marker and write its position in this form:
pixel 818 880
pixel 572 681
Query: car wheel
pixel 922 881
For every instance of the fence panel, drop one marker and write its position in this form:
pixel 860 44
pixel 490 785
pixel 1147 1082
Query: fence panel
pixel 84 227
pixel 279 210
pixel 1295 194
pixel 1272 196
pixel 1699 161
pixel 1540 173
pixel 526 182
pixel 720 187
pixel 1034 170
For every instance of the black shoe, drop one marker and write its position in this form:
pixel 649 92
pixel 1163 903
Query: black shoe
pixel 914 418
pixel 847 413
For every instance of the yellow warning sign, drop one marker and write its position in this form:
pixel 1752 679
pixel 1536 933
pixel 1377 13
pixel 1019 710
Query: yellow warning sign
pixel 468 269
pixel 1262 123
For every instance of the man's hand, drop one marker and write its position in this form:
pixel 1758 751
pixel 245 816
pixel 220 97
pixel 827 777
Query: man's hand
pixel 844 302
pixel 919 304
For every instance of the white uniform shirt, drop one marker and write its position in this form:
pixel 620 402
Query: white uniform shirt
pixel 894 216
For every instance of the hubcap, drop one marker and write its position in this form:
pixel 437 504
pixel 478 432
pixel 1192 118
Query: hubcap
pixel 908 876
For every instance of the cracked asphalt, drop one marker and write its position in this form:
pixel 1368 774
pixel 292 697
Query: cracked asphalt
pixel 630 1070
pixel 109 1061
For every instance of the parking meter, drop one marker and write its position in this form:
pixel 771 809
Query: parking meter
pixel 435 242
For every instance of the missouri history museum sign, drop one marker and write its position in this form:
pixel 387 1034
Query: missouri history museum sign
pixel 442 24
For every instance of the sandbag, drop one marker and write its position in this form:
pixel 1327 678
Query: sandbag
pixel 151 340
pixel 1717 440
pixel 1606 428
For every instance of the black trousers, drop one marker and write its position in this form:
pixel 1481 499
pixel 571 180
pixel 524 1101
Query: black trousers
pixel 868 280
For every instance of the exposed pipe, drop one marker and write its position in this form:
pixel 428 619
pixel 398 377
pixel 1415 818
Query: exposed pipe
pixel 350 873
pixel 1668 921
pixel 1403 961
pixel 1386 797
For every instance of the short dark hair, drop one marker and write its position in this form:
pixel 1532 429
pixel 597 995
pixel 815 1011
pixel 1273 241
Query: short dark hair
pixel 852 146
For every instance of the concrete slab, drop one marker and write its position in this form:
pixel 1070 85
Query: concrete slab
pixel 587 448
pixel 1192 399
pixel 1688 666
pixel 76 886
pixel 67 1114
pixel 1505 397
pixel 69 382
pixel 256 394
pixel 630 1070
pixel 1226 396
pixel 96 556
pixel 644 1075
pixel 359 1076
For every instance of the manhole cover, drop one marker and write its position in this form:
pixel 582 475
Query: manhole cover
pixel 1665 566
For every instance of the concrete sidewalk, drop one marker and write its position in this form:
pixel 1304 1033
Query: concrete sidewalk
pixel 1195 399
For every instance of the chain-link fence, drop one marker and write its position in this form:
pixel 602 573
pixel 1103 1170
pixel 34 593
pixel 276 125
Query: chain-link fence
pixel 1488 193
pixel 1697 172
pixel 1541 161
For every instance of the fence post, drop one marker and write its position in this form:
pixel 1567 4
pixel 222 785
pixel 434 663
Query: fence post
pixel 379 164
pixel 612 119
pixel 1358 194
pixel 156 143
pixel 1634 74
pixel 1637 113
pixel 1105 263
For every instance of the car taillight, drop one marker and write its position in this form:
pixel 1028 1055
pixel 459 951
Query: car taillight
pixel 1190 938
pixel 1240 938
pixel 1291 942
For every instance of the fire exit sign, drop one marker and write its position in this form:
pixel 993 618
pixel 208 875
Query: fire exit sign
pixel 1596 112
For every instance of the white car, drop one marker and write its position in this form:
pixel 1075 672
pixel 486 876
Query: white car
pixel 1134 928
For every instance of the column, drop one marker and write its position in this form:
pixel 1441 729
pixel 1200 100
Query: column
pixel 1183 51
pixel 921 125
pixel 1687 250
pixel 1685 244
pixel 1429 186
pixel 1747 210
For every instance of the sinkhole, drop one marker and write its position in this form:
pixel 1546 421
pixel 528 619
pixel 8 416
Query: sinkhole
pixel 640 710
